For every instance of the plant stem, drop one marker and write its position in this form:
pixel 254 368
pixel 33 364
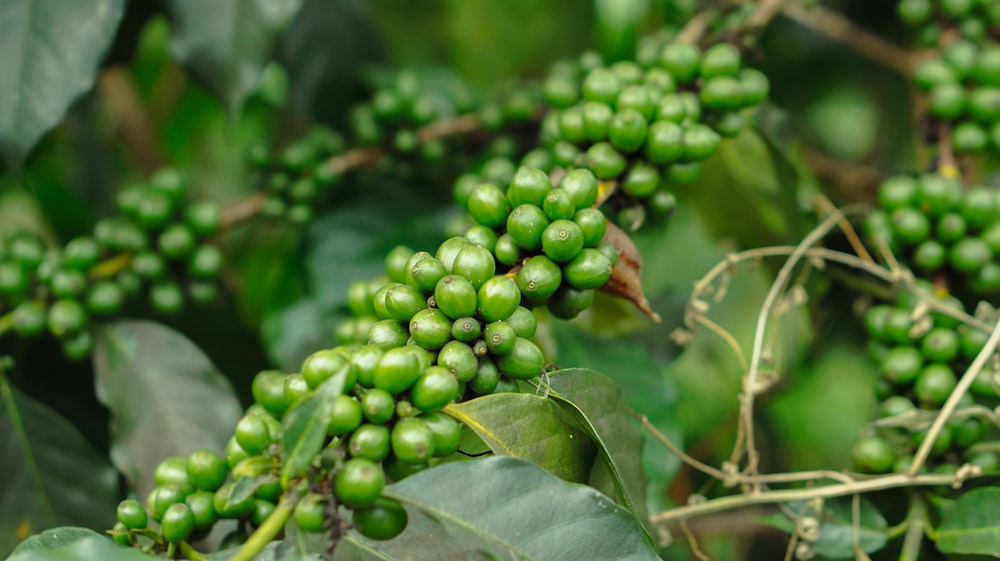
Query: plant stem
pixel 840 29
pixel 786 495
pixel 265 533
pixel 916 521
pixel 191 553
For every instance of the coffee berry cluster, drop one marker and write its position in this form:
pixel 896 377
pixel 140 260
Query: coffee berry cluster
pixel 648 126
pixel 941 230
pixel 159 245
pixel 974 20
pixel 438 329
pixel 920 357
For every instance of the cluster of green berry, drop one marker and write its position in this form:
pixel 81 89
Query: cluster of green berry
pixel 547 239
pixel 963 88
pixel 975 20
pixel 394 114
pixel 934 226
pixel 439 329
pixel 158 242
pixel 299 176
pixel 648 125
pixel 920 357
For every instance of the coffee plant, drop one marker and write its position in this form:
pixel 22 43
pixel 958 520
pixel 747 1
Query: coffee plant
pixel 306 279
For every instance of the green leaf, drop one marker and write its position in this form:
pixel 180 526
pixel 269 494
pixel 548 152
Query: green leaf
pixel 628 368
pixel 51 53
pixel 80 548
pixel 53 538
pixel 304 428
pixel 166 397
pixel 972 525
pixel 227 43
pixel 503 508
pixel 531 427
pixel 836 539
pixel 46 463
pixel 595 402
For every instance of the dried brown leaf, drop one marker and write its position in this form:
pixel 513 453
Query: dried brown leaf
pixel 626 278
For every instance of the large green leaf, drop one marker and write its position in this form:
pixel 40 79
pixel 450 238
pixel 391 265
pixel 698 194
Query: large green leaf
pixel 644 388
pixel 51 52
pixel 227 43
pixel 164 394
pixel 51 475
pixel 972 525
pixel 528 426
pixel 836 538
pixel 595 402
pixel 53 538
pixel 503 508
pixel 73 545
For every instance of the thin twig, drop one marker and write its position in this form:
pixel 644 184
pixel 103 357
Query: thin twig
pixel 838 28
pixel 785 495
pixel 777 287
pixel 845 226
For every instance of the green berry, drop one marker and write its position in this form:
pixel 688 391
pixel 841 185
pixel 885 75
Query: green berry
pixel 253 434
pixel 683 60
pixel 562 240
pixel 581 184
pixel 81 253
pixel 412 441
pixel 627 130
pixel 435 388
pixel 700 142
pixel 589 269
pixel 384 520
pixel 447 433
pixel 601 85
pixel 499 297
pixel 166 297
pixel 345 417
pixel 397 370
pixel 539 278
pixel 476 264
pixel 177 523
pixel 206 470
pixel 132 514
pixel 369 441
pixel 872 454
pixel 721 59
pixel 378 405
pixel 66 318
pixel 523 362
pixel 387 334
pixel 968 255
pixel 459 359
pixel 568 302
pixel 488 205
pixel 934 384
pixel 499 337
pixel 901 365
pixel 604 161
pixel 310 513
pixel 359 483
pixel 455 296
pixel 526 224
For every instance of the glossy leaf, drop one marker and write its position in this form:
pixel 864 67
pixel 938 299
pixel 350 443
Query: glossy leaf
pixel 304 428
pixel 503 508
pixel 644 388
pixel 836 539
pixel 528 426
pixel 157 384
pixel 51 474
pixel 227 43
pixel 51 53
pixel 79 548
pixel 971 525
pixel 595 403
pixel 53 538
